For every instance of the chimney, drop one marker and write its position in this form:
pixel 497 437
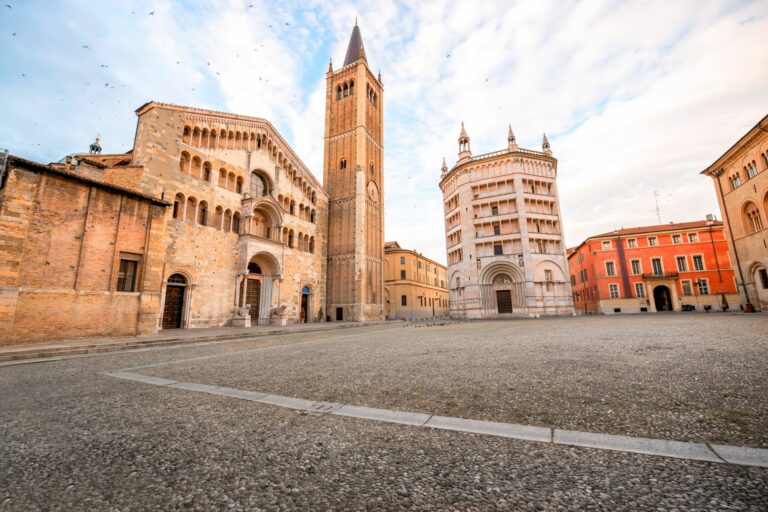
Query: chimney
pixel 710 219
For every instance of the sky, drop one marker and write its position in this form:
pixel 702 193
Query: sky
pixel 636 97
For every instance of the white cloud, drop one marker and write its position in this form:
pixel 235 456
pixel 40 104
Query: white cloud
pixel 636 96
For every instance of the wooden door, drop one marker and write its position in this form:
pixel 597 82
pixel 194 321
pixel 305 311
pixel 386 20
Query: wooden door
pixel 253 298
pixel 174 307
pixel 504 301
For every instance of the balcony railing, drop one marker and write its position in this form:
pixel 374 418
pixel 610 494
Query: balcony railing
pixel 661 275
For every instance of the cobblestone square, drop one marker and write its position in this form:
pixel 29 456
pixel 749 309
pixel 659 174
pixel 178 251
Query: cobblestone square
pixel 73 438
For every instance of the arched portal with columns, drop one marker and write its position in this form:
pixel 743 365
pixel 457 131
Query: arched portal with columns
pixel 502 290
pixel 256 290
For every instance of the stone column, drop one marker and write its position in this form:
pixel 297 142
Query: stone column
pixel 265 302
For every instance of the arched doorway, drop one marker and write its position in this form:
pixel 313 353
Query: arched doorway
pixel 502 287
pixel 305 312
pixel 662 298
pixel 173 309
pixel 250 291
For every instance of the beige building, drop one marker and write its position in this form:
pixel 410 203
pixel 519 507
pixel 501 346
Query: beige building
pixel 415 286
pixel 504 236
pixel 741 184
pixel 210 220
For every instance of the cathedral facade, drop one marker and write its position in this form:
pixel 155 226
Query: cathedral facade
pixel 504 235
pixel 210 220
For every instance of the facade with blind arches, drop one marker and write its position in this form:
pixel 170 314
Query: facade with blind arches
pixel 210 220
pixel 504 235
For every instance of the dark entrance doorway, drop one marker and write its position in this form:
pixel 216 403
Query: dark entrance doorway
pixel 304 313
pixel 504 301
pixel 173 309
pixel 339 313
pixel 252 298
pixel 662 298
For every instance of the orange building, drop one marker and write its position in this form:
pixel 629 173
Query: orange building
pixel 668 267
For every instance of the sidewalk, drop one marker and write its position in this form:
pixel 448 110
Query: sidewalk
pixel 167 337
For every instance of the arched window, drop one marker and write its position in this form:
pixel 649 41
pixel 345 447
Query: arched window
pixel 312 245
pixel 222 138
pixel 196 136
pixel 751 170
pixel 231 181
pixel 290 239
pixel 351 87
pixel 202 213
pixel 223 178
pixel 300 244
pixel 178 206
pixel 239 185
pixel 765 160
pixel 258 141
pixel 187 135
pixel 177 279
pixel 218 220
pixel 227 220
pixel 191 209
pixel 205 137
pixel 259 185
pixel 292 208
pixel 207 171
pixel 345 90
pixel 197 167
pixel 371 167
pixel 184 162
pixel 238 140
pixel 236 223
pixel 338 92
pixel 751 218
pixel 314 197
pixel 312 217
pixel 230 139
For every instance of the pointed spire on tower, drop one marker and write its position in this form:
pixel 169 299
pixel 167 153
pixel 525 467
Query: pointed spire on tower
pixel 330 65
pixel 545 145
pixel 511 141
pixel 355 49
pixel 444 168
pixel 379 78
pixel 464 151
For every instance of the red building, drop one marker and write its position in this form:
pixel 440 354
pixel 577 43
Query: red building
pixel 669 267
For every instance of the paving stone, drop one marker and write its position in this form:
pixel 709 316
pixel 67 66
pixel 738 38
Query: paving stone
pixel 191 386
pixel 156 381
pixel 237 393
pixel 286 401
pixel 742 455
pixel 491 428
pixel 680 450
pixel 368 413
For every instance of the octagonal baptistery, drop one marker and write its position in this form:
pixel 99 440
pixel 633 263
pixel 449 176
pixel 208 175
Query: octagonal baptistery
pixel 504 236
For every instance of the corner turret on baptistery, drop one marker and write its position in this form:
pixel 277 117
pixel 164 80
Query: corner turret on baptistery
pixel 504 235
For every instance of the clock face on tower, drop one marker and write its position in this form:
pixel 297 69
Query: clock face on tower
pixel 373 191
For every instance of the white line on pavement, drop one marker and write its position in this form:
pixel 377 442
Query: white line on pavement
pixel 740 455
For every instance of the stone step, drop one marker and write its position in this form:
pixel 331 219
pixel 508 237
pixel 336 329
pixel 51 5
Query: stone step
pixel 41 352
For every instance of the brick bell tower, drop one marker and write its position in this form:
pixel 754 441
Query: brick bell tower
pixel 353 177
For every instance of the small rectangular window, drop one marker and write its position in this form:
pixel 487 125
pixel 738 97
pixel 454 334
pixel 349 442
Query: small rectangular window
pixel 547 275
pixel 703 287
pixel 632 243
pixel 636 268
pixel 682 264
pixel 126 276
pixel 614 290
pixel 494 210
pixel 676 239
pixel 698 262
pixel 652 240
pixel 402 274
pixel 403 300
pixel 497 250
pixel 606 245
pixel 610 268
pixel 402 260
pixel 693 237
pixel 497 230
pixel 687 290
pixel 640 290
